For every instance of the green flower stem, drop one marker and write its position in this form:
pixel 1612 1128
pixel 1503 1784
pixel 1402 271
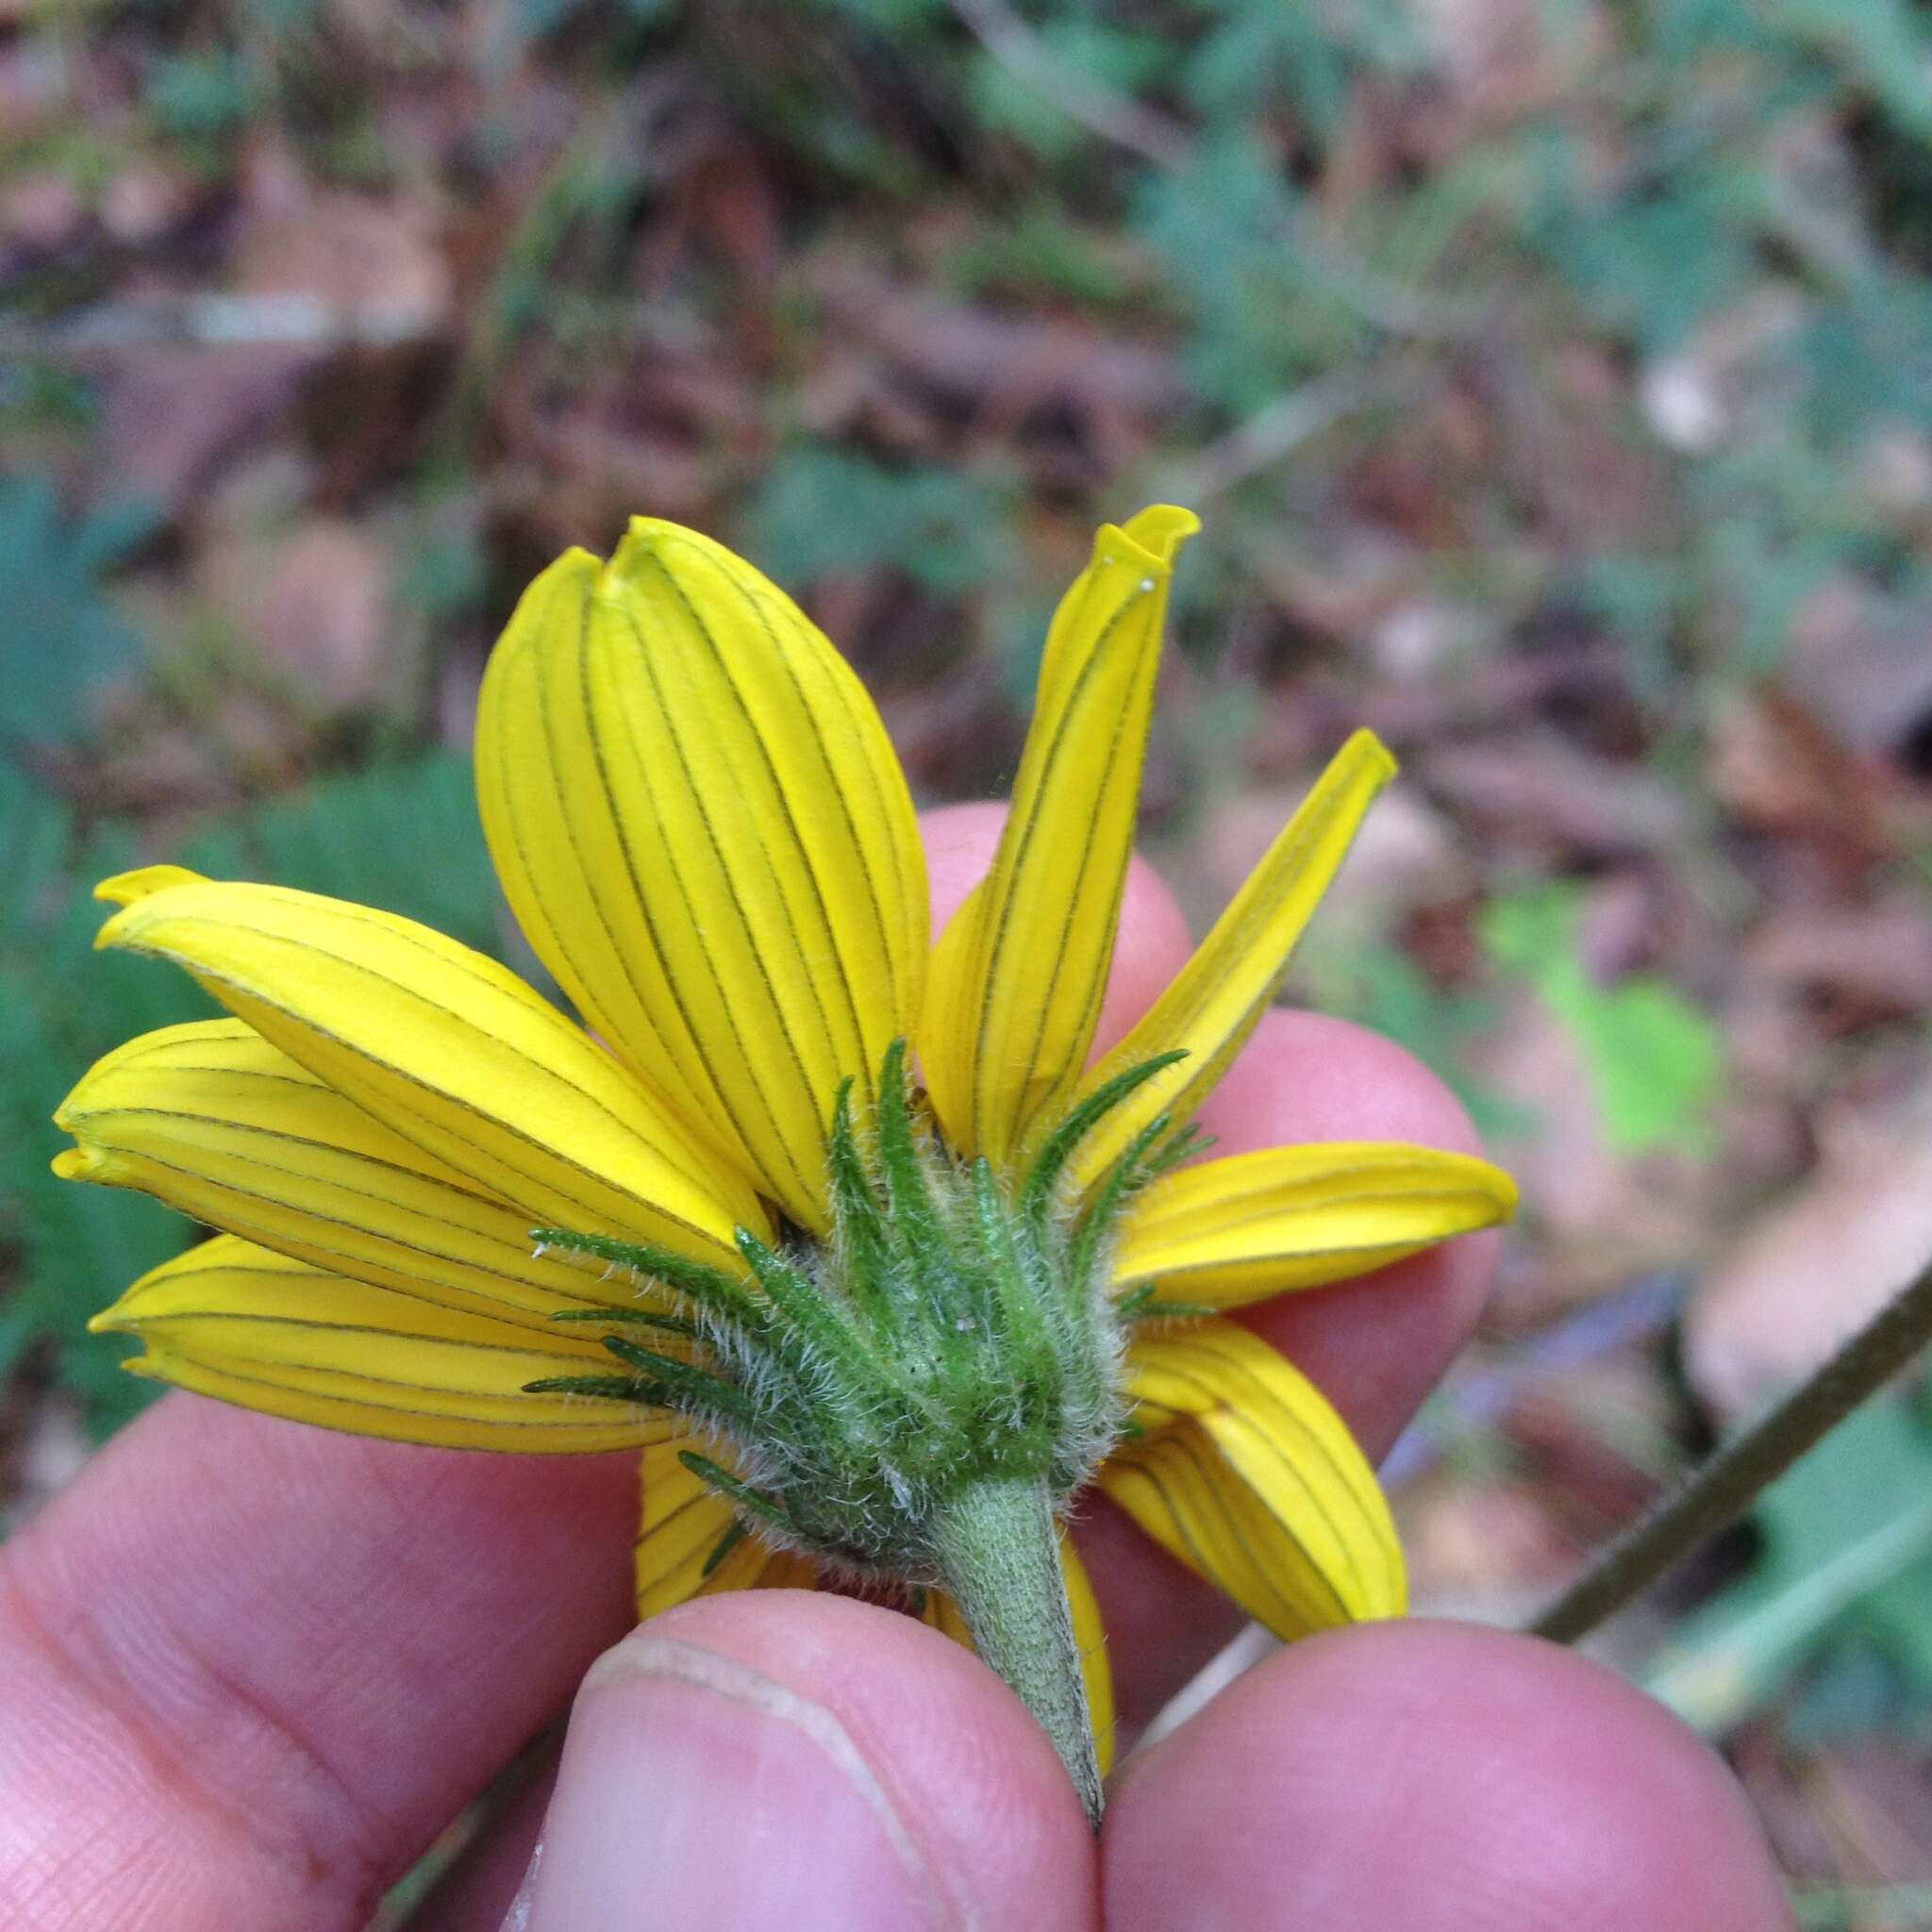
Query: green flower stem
pixel 1719 1491
pixel 999 1555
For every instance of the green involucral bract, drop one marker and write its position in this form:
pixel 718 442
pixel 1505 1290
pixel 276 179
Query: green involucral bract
pixel 956 1328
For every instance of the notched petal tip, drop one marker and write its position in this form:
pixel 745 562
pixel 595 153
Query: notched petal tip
pixel 652 537
pixel 125 888
pixel 1160 529
pixel 1507 1196
pixel 577 564
pixel 1363 743
pixel 129 891
pixel 76 1163
pixel 1149 541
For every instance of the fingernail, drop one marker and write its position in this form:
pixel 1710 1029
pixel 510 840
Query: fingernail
pixel 518 1918
pixel 697 1792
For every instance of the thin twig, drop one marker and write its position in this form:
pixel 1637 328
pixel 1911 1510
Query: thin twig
pixel 1115 117
pixel 1281 425
pixel 291 319
pixel 1724 1486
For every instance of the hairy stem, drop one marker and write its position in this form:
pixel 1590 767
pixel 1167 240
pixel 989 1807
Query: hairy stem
pixel 999 1555
pixel 1715 1494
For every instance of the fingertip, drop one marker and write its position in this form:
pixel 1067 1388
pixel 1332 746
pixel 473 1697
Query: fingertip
pixel 884 1775
pixel 1434 1778
pixel 1376 1345
pixel 960 842
pixel 1153 946
pixel 1312 1076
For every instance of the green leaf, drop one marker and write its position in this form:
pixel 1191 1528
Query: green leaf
pixel 1264 313
pixel 401 837
pixel 405 838
pixel 1655 1060
pixel 1118 60
pixel 1853 1517
pixel 822 511
pixel 200 96
pixel 62 635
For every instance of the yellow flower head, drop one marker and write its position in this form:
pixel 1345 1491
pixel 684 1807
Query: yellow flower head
pixel 706 837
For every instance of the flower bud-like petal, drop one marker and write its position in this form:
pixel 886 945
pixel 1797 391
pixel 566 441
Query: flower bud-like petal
pixel 1251 1478
pixel 1018 976
pixel 704 833
pixel 1227 1232
pixel 265 1332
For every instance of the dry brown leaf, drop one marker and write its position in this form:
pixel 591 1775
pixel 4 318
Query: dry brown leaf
pixel 1863 665
pixel 1776 762
pixel 1819 1264
pixel 1873 961
pixel 376 264
pixel 173 414
pixel 317 604
pixel 1541 789
pixel 1467 1539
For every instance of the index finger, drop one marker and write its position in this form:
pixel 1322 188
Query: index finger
pixel 253 1668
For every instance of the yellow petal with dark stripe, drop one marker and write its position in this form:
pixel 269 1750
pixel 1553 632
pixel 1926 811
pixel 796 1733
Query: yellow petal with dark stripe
pixel 681 1549
pixel 1251 1478
pixel 1089 1634
pixel 705 834
pixel 1018 976
pixel 217 1123
pixel 1220 994
pixel 941 1613
pixel 1256 1224
pixel 266 1332
pixel 749 1564
pixel 451 1051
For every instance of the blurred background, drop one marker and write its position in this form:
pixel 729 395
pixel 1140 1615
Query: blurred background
pixel 1555 379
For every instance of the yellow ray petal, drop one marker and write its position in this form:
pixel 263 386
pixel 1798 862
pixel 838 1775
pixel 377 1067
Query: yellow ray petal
pixel 1220 994
pixel 705 834
pixel 682 1526
pixel 751 1565
pixel 214 1121
pixel 263 1331
pixel 1251 1478
pixel 1255 1224
pixel 941 1613
pixel 1018 977
pixel 451 1051
pixel 1091 1635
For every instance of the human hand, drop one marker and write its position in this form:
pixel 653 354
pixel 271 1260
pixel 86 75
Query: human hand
pixel 252 1669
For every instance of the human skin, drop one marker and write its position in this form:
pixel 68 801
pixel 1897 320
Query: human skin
pixel 249 1670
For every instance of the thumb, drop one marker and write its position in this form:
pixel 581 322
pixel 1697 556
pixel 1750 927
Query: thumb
pixel 782 1758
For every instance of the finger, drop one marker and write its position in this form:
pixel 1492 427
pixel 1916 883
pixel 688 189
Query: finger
pixel 784 1758
pixel 1379 1343
pixel 1376 1346
pixel 1434 1777
pixel 225 1604
pixel 252 1669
